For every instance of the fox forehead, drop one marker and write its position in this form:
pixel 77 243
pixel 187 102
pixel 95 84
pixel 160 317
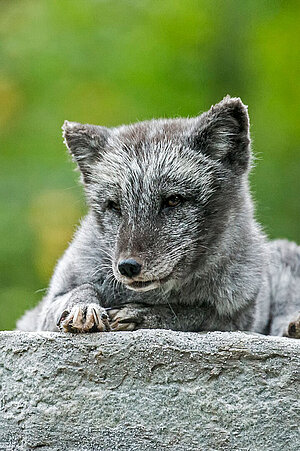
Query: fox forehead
pixel 155 130
pixel 148 150
pixel 160 165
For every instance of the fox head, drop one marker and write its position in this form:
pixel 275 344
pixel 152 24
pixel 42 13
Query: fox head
pixel 163 192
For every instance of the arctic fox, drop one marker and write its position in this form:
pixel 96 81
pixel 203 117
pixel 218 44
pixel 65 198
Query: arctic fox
pixel 170 240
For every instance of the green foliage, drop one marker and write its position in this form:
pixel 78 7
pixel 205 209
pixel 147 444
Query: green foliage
pixel 117 62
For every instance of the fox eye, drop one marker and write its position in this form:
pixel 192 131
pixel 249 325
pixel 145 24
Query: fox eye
pixel 172 201
pixel 114 206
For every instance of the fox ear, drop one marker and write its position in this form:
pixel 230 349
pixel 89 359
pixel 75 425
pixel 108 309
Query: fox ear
pixel 223 134
pixel 85 143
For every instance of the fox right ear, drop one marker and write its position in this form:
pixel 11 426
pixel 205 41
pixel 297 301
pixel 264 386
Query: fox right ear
pixel 85 143
pixel 223 134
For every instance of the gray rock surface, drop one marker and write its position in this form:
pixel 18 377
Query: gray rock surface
pixel 149 390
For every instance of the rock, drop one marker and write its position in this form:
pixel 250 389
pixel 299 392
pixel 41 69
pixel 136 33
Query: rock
pixel 149 390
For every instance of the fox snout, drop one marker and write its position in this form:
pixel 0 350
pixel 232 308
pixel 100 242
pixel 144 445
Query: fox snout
pixel 129 268
pixel 134 275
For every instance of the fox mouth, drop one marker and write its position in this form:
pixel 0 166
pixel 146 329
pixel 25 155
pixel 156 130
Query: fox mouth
pixel 146 285
pixel 143 286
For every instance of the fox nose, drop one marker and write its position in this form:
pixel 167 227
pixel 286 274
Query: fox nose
pixel 129 267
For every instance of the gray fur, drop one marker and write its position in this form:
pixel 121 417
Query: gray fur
pixel 219 270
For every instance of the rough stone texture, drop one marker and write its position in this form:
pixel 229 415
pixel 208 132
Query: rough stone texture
pixel 149 390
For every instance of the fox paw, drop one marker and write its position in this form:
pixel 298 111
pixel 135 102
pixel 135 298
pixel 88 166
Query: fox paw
pixel 126 318
pixel 293 329
pixel 81 318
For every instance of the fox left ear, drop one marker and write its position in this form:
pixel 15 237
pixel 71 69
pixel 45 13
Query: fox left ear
pixel 85 142
pixel 223 134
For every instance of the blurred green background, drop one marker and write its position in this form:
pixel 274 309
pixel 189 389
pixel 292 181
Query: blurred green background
pixel 117 62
